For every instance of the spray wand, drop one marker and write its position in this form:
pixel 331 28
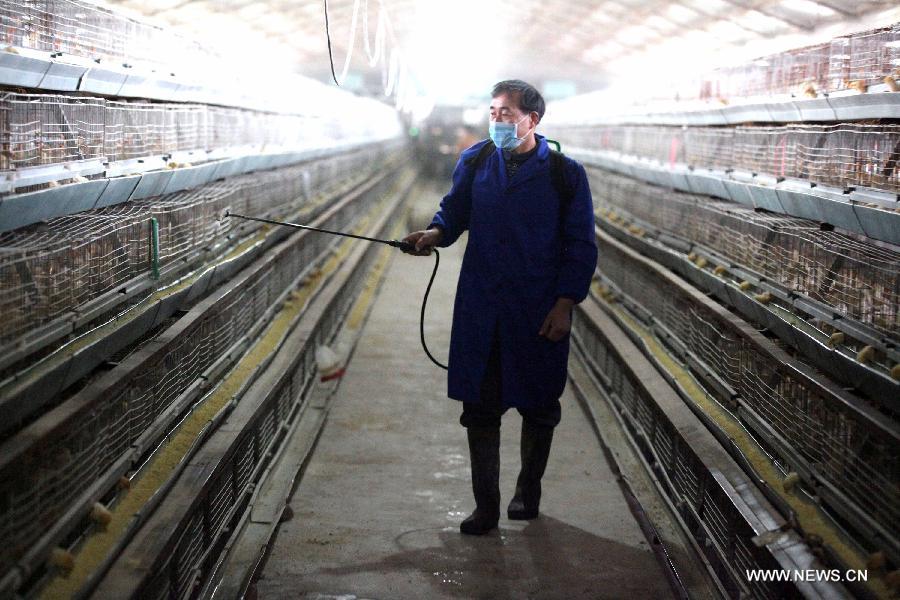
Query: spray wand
pixel 405 246
pixel 394 243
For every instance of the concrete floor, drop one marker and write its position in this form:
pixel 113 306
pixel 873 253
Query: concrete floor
pixel 376 513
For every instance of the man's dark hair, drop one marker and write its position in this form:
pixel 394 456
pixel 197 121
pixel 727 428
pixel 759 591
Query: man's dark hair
pixel 529 99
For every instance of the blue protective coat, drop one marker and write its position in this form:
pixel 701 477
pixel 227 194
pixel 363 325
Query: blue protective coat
pixel 522 255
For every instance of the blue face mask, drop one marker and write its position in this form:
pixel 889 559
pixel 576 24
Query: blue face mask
pixel 504 134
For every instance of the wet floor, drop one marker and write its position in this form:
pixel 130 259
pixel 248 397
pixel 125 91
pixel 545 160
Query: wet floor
pixel 376 514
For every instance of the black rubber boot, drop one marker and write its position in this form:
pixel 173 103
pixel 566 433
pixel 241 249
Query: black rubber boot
pixel 484 453
pixel 535 449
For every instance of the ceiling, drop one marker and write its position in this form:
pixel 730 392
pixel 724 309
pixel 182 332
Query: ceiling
pixel 454 50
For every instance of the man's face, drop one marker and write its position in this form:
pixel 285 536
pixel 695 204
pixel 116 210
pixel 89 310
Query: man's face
pixel 505 109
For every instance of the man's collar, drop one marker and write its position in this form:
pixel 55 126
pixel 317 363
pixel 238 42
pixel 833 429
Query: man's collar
pixel 543 147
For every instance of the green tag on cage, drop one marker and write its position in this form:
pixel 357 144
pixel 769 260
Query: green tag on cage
pixel 154 248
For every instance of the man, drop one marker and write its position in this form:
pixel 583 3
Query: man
pixel 530 257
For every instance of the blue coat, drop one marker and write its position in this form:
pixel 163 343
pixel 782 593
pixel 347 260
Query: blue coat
pixel 519 259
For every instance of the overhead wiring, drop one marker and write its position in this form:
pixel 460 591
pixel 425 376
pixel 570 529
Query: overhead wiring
pixel 379 35
pixel 351 41
pixel 328 38
pixel 395 75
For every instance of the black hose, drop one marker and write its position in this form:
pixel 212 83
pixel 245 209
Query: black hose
pixel 437 262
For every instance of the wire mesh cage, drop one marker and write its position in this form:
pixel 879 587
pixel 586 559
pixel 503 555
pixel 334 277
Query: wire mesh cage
pixel 842 155
pixel 804 71
pixel 39 486
pixel 811 154
pixel 686 475
pixel 877 155
pixel 17 25
pixel 48 270
pixel 702 336
pixel 241 464
pixel 48 129
pixel 649 142
pixel 34 277
pixel 37 490
pixel 858 60
pixel 84 29
pixel 227 127
pixel 847 155
pixel 610 138
pixel 283 189
pixel 139 41
pixel 856 278
pixel 838 63
pixel 186 126
pixel 850 62
pixel 81 29
pixel 134 130
pixel 181 220
pixel 43 129
pixel 762 150
pixel 873 55
pixel 846 449
pixel 860 280
pixel 709 146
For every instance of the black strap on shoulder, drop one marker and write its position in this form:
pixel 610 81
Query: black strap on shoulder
pixel 557 169
pixel 482 155
pixel 557 175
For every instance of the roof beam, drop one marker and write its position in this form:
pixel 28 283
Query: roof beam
pixel 156 12
pixel 766 9
pixel 842 8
